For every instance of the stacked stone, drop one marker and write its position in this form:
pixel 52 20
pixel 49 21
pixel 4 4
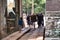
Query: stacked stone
pixel 52 11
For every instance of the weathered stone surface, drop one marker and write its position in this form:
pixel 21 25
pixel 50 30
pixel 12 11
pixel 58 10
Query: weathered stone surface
pixel 52 5
pixel 2 18
pixel 52 13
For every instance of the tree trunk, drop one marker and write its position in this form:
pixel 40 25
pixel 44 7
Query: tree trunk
pixel 32 12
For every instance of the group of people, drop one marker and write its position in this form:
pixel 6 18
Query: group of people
pixel 30 20
pixel 34 18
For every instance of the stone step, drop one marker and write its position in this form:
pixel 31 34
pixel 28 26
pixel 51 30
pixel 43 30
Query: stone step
pixel 17 35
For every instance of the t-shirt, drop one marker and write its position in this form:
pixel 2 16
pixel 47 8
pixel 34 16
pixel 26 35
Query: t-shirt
pixel 20 22
pixel 33 18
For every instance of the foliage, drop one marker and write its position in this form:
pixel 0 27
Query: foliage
pixel 39 5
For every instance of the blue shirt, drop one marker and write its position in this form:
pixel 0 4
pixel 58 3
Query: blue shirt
pixel 20 22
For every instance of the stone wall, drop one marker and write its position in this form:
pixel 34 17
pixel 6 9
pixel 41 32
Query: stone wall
pixel 53 5
pixel 53 13
pixel 52 10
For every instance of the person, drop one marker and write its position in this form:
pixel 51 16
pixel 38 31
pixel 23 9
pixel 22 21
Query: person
pixel 20 23
pixel 28 20
pixel 33 20
pixel 40 19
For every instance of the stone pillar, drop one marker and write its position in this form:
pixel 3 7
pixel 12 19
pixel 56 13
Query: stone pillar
pixel 2 18
pixel 17 11
pixel 20 7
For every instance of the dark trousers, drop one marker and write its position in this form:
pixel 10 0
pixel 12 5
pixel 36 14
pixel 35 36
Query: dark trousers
pixel 20 27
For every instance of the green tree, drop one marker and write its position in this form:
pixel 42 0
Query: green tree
pixel 39 6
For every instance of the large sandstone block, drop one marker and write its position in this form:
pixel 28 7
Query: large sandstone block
pixel 52 13
pixel 52 5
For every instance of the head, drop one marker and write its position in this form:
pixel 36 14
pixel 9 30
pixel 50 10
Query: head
pixel 21 18
pixel 40 13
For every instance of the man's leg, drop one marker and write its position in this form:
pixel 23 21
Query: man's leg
pixel 20 28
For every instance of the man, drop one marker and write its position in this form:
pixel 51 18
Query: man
pixel 20 23
pixel 40 19
pixel 28 20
